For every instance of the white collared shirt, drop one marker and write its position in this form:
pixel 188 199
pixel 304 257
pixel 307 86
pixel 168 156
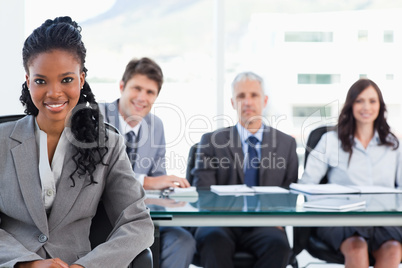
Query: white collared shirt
pixel 126 128
pixel 50 174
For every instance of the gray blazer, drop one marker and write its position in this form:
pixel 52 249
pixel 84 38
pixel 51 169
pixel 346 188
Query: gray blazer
pixel 151 150
pixel 219 159
pixel 27 233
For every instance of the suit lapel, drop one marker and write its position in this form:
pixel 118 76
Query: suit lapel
pixel 27 171
pixel 66 194
pixel 233 139
pixel 112 114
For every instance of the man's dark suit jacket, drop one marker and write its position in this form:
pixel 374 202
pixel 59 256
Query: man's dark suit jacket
pixel 219 159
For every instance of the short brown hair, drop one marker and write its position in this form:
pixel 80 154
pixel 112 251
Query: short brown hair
pixel 144 66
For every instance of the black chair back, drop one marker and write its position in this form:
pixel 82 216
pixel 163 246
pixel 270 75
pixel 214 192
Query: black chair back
pixel 313 139
pixel 191 163
pixel 312 142
pixel 8 118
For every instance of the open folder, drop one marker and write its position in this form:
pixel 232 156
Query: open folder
pixel 331 188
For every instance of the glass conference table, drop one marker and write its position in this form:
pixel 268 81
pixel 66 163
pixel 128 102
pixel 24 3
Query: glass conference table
pixel 272 209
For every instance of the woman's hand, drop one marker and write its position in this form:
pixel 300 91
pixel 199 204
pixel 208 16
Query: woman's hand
pixel 49 263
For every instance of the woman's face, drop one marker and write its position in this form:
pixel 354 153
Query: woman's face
pixel 54 81
pixel 366 106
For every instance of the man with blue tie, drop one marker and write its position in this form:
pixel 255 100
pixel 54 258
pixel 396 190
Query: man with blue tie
pixel 130 114
pixel 249 153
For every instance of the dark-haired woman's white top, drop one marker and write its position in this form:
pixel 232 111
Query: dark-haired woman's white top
pixel 375 165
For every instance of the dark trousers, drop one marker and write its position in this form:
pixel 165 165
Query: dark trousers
pixel 217 245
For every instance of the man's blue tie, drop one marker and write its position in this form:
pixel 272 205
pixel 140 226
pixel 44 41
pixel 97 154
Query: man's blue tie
pixel 253 163
pixel 131 146
pixel 252 171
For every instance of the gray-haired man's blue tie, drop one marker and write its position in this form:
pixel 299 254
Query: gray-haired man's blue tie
pixel 252 164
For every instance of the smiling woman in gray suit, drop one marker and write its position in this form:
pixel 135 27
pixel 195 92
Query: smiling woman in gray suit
pixel 59 161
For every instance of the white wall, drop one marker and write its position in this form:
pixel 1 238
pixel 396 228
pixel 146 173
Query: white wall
pixel 11 42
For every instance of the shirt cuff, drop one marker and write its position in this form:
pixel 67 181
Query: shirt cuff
pixel 140 178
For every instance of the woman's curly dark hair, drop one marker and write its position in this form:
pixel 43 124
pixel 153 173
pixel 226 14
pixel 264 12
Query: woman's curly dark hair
pixel 347 122
pixel 86 121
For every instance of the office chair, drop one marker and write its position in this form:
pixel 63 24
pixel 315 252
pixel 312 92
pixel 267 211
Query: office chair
pixel 8 118
pixel 306 237
pixel 191 163
pixel 101 226
pixel 312 142
pixel 242 259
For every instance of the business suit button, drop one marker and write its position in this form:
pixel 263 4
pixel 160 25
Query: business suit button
pixel 42 238
pixel 49 192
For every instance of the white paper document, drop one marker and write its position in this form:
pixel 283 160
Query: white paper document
pixel 330 188
pixel 270 189
pixel 322 188
pixel 231 189
pixel 242 189
pixel 373 189
pixel 334 204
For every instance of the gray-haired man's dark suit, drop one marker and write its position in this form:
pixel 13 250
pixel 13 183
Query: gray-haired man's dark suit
pixel 219 161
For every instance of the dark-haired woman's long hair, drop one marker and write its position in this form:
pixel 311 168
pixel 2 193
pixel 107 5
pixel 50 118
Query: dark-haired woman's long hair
pixel 347 122
pixel 86 123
